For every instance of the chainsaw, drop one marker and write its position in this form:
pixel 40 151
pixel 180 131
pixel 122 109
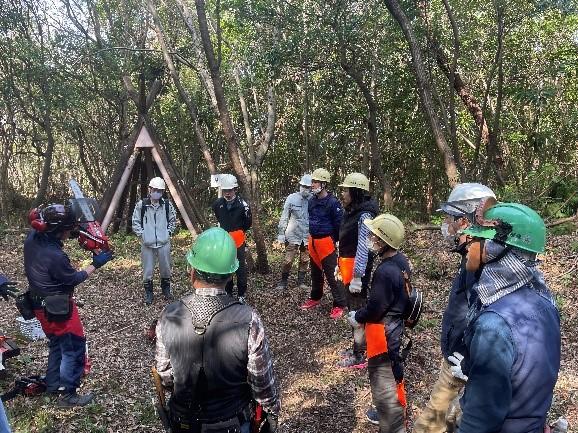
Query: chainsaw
pixel 91 237
pixel 27 386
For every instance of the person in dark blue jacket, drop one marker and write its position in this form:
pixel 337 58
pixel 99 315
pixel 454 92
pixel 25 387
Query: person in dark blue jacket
pixel 325 215
pixel 52 280
pixel 512 338
pixel 459 211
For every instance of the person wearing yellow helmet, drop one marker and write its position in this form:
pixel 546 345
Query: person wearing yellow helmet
pixel 325 214
pixel 382 321
pixel 212 349
pixel 355 261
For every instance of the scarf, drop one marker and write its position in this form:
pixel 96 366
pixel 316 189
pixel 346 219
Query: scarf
pixel 515 269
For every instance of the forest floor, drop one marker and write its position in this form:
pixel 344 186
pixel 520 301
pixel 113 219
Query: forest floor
pixel 317 396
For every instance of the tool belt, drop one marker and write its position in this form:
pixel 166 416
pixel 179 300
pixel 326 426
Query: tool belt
pixel 184 423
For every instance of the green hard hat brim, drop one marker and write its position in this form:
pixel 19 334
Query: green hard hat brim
pixel 489 233
pixel 202 265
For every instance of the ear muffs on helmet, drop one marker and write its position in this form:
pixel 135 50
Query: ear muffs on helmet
pixel 36 221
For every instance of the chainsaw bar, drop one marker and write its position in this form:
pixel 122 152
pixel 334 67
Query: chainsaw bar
pixel 81 200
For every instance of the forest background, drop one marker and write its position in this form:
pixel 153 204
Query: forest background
pixel 418 95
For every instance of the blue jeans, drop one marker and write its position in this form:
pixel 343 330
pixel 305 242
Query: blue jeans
pixel 65 362
pixel 4 426
pixel 246 428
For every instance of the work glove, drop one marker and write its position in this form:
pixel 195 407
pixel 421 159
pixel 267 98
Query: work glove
pixel 7 288
pixel 355 286
pixel 456 368
pixel 351 319
pixel 102 258
pixel 270 424
pixel 337 274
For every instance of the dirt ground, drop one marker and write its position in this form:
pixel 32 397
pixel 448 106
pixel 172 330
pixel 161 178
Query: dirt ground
pixel 317 396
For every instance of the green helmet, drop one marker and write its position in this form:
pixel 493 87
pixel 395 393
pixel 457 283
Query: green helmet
pixel 514 224
pixel 214 251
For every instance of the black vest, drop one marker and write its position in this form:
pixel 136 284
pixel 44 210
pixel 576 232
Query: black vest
pixel 216 387
pixel 349 230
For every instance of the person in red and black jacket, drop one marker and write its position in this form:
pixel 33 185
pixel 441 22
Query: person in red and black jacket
pixel 52 281
pixel 325 215
pixel 234 215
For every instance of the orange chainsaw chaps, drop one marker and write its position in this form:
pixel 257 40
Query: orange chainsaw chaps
pixel 320 248
pixel 239 237
pixel 401 394
pixel 376 339
pixel 346 267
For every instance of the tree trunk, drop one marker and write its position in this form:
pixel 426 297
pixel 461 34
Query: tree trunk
pixel 191 107
pixel 372 109
pixel 229 132
pixel 41 195
pixel 425 91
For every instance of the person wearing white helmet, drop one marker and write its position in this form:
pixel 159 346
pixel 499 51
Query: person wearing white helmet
pixel 459 210
pixel 294 231
pixel 234 215
pixel 154 221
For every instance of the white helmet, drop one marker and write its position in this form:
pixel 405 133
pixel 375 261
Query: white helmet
pixel 465 198
pixel 305 180
pixel 228 181
pixel 157 183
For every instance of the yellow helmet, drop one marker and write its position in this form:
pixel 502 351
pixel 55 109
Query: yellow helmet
pixel 356 180
pixel 388 228
pixel 321 175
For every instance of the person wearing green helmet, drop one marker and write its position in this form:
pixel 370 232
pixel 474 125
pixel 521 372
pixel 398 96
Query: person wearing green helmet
pixel 512 337
pixel 212 349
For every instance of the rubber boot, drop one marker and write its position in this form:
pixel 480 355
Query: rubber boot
pixel 282 284
pixel 301 280
pixel 166 288
pixel 148 287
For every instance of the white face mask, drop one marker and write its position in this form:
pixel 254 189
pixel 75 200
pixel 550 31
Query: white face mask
pixel 316 190
pixel 156 195
pixel 445 229
pixel 372 246
pixel 304 191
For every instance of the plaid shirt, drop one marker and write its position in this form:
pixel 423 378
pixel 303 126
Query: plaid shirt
pixel 260 374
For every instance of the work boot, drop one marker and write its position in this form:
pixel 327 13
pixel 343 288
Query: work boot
pixel 301 280
pixel 166 288
pixel 148 287
pixel 282 284
pixel 73 399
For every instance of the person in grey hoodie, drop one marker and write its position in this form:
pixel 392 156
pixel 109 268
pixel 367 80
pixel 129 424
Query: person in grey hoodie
pixel 154 221
pixel 294 231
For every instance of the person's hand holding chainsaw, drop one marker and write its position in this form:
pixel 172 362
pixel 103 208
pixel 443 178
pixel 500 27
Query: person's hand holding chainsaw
pixel 102 258
pixel 7 288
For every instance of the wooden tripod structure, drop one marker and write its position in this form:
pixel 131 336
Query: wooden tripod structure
pixel 137 166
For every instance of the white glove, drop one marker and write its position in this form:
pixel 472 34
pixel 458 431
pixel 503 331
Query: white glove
pixel 337 274
pixel 456 368
pixel 351 319
pixel 281 239
pixel 355 285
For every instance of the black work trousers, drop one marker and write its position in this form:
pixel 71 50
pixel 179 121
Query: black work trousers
pixel 240 274
pixel 326 272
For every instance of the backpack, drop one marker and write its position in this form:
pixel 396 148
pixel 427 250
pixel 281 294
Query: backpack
pixel 146 202
pixel 414 305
